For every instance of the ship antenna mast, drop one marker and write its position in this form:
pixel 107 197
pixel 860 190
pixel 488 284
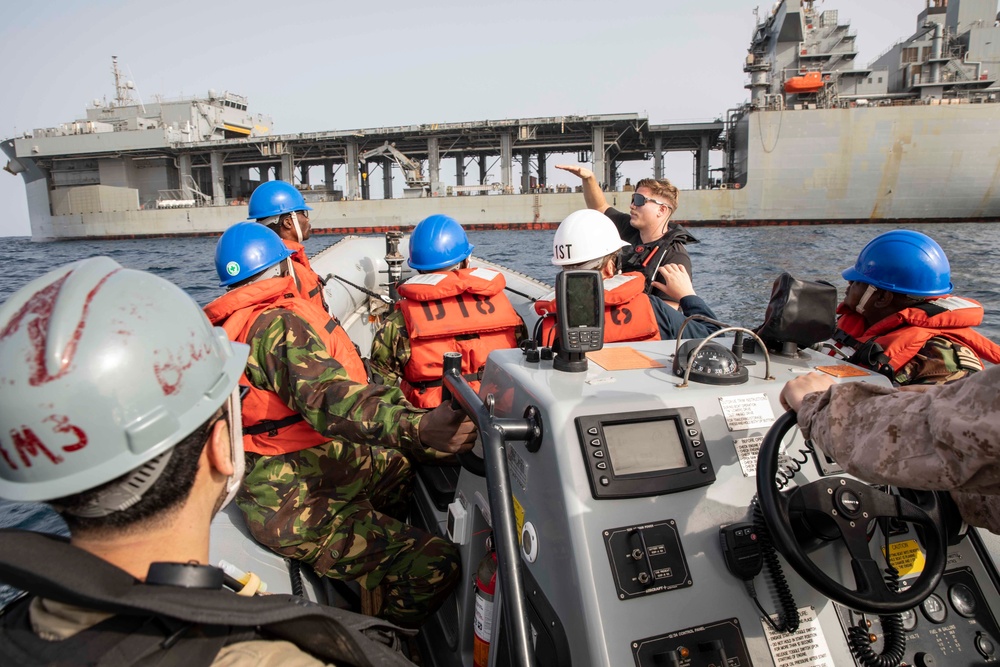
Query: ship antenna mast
pixel 122 86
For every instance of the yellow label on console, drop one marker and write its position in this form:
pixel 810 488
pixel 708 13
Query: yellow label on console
pixel 906 557
pixel 518 516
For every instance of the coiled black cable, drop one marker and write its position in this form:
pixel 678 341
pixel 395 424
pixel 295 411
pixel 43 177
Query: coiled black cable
pixel 893 636
pixel 789 611
pixel 785 475
pixel 295 575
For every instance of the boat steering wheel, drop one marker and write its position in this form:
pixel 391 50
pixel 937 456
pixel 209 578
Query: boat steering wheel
pixel 850 505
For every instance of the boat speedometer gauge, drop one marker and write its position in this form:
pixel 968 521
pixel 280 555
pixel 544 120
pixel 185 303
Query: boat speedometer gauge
pixel 714 364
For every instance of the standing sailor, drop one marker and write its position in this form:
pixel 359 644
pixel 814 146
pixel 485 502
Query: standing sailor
pixel 588 240
pixel 900 318
pixel 327 478
pixel 448 307
pixel 654 239
pixel 282 207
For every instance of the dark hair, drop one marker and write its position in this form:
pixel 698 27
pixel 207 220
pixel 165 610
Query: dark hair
pixel 170 490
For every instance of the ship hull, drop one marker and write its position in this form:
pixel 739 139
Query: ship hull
pixel 860 165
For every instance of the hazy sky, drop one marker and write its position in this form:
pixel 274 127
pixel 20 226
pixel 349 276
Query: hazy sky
pixel 327 65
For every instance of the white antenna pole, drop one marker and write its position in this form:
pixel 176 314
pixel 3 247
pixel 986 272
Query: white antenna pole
pixel 136 88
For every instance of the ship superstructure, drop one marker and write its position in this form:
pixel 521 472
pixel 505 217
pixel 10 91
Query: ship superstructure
pixel 802 57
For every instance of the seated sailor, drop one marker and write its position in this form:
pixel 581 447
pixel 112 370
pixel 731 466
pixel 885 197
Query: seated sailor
pixel 125 418
pixel 587 239
pixel 327 477
pixel 448 307
pixel 282 208
pixel 900 318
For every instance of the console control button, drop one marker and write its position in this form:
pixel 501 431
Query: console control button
pixel 985 645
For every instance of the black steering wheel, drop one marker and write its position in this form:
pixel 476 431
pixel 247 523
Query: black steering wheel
pixel 850 505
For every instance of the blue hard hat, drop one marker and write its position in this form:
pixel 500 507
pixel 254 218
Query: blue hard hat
pixel 245 250
pixel 437 242
pixel 905 262
pixel 275 198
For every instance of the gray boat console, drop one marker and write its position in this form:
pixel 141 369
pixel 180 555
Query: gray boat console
pixel 618 509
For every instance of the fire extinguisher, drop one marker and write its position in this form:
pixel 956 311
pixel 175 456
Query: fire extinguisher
pixel 486 585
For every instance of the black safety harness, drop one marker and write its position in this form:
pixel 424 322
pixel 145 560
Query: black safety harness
pixel 164 625
pixel 646 258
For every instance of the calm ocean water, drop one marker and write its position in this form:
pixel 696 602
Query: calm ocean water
pixel 733 272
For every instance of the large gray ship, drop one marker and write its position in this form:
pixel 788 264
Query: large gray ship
pixel 914 136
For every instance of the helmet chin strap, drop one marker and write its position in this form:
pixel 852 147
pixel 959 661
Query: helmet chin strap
pixel 290 268
pixel 235 424
pixel 865 298
pixel 298 228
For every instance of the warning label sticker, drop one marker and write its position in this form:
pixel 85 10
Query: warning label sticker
pixel 747 450
pixel 906 557
pixel 747 411
pixel 806 647
pixel 518 516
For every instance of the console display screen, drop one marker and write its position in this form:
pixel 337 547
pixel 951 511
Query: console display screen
pixel 648 446
pixel 581 297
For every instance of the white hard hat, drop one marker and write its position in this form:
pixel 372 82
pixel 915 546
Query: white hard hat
pixel 102 369
pixel 584 236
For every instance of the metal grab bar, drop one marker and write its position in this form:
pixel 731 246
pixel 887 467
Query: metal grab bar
pixel 493 432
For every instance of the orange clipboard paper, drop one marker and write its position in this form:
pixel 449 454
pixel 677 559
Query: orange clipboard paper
pixel 843 371
pixel 621 359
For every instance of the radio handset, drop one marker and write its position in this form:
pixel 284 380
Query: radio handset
pixel 579 318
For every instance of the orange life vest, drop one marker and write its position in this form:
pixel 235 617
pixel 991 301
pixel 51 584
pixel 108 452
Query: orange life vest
pixel 902 334
pixel 462 311
pixel 628 315
pixel 236 312
pixel 311 287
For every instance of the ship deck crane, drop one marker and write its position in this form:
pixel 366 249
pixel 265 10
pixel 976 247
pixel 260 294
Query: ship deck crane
pixel 412 170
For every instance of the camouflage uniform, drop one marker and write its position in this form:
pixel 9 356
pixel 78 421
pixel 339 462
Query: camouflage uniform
pixel 391 348
pixel 338 506
pixel 939 360
pixel 946 437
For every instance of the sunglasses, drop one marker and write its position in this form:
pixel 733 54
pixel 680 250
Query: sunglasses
pixel 639 200
pixel 304 214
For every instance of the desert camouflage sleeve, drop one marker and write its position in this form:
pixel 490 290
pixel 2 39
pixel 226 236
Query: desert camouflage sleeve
pixel 289 358
pixel 945 438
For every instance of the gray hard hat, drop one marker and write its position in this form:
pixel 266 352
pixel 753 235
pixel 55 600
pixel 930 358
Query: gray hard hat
pixel 102 369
